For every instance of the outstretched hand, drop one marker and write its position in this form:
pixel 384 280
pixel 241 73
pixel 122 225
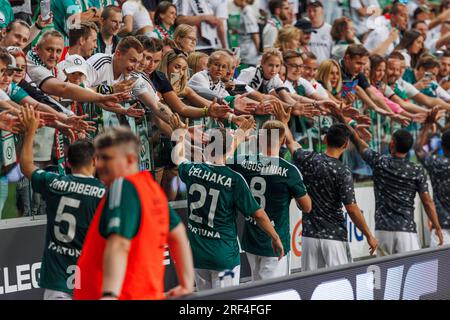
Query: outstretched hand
pixel 29 119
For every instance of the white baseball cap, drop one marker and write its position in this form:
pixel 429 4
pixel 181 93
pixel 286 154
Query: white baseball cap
pixel 75 63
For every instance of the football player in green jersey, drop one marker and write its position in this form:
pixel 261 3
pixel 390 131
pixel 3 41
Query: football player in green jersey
pixel 273 182
pixel 71 202
pixel 215 195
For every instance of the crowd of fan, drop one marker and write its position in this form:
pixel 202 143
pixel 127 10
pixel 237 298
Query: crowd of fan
pixel 217 63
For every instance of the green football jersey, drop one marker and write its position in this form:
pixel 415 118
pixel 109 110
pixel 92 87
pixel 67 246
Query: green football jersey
pixel 273 182
pixel 215 194
pixel 122 211
pixel 71 202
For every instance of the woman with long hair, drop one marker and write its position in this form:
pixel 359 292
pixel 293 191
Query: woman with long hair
pixel 185 38
pixel 412 48
pixel 165 18
pixel 174 65
pixel 376 74
pixel 330 77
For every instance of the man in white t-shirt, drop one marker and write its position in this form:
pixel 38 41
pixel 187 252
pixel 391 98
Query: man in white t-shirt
pixel 136 18
pixel 385 37
pixel 249 39
pixel 321 42
pixel 279 11
pixel 209 16
pixel 120 68
pixel 361 11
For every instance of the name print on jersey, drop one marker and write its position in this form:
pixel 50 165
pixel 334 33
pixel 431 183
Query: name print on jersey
pixel 77 187
pixel 210 177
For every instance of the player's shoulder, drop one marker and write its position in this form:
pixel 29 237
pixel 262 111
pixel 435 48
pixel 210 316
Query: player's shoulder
pixel 99 61
pixel 120 188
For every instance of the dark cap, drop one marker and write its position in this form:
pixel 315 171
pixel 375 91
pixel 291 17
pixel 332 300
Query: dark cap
pixel 305 26
pixel 315 3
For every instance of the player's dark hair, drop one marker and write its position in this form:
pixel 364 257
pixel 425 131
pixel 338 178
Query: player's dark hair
pixel 80 153
pixel 338 135
pixel 446 140
pixel 403 141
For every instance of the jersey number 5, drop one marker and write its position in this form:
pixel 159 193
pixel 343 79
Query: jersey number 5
pixel 201 202
pixel 67 217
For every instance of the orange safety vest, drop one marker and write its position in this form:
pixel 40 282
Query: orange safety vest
pixel 144 278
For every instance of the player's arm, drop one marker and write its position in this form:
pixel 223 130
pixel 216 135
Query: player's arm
pixel 70 91
pixel 241 134
pixel 283 115
pixel 115 261
pixel 30 121
pixel 423 135
pixel 358 219
pixel 304 203
pixel 263 222
pixel 181 253
pixel 430 210
pixel 359 143
pixel 119 224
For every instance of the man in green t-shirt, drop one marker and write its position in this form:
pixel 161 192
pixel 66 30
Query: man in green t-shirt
pixel 71 201
pixel 273 182
pixel 215 195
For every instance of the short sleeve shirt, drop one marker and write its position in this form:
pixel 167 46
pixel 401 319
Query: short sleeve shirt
pixel 140 15
pixel 330 185
pixel 215 196
pixel 62 10
pixel 254 77
pixel 396 182
pixel 16 93
pixel 37 72
pixel 273 182
pixel 438 167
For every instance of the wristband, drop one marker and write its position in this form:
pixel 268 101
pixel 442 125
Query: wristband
pixel 352 123
pixel 109 294
pixel 205 111
pixel 105 89
pixel 38 26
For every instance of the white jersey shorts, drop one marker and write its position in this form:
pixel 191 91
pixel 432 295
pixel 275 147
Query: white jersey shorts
pixel 392 242
pixel 268 267
pixel 323 253
pixel 56 295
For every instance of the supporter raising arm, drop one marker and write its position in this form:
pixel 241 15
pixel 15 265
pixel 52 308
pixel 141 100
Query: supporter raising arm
pixel 41 63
